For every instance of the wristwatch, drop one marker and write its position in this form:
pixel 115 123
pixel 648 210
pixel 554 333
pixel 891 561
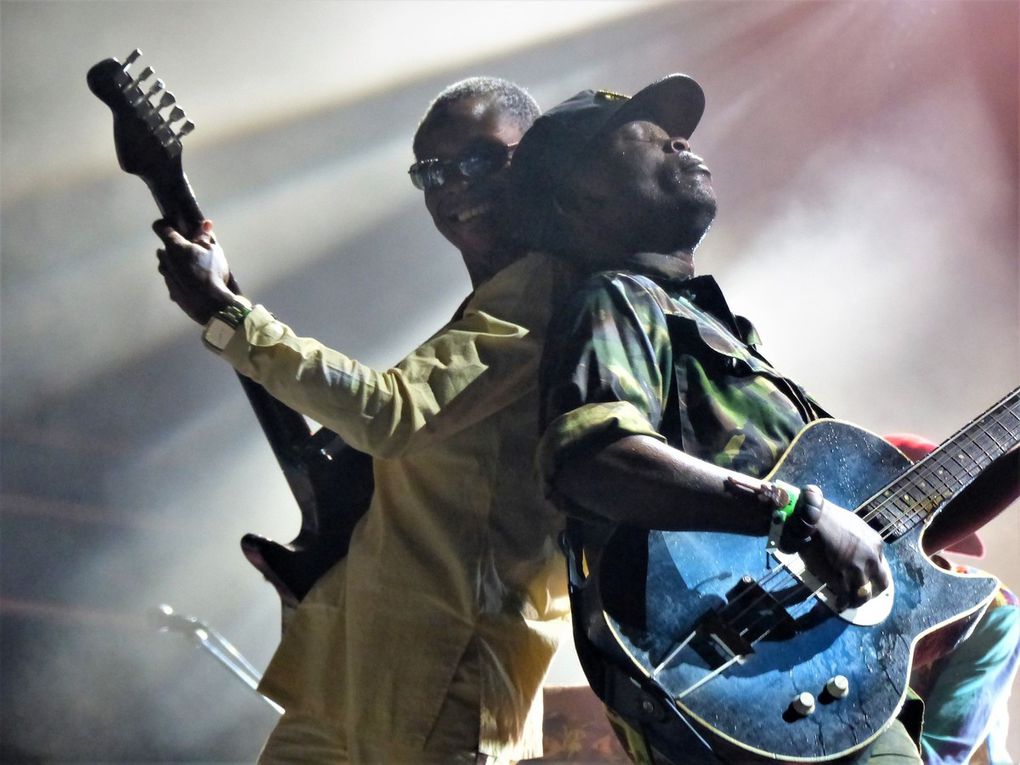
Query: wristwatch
pixel 224 323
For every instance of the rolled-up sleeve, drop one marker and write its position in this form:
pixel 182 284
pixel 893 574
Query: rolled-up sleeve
pixel 606 371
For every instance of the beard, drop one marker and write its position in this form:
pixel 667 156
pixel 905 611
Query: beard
pixel 679 223
pixel 694 216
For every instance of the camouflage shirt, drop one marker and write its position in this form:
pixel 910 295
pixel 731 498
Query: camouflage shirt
pixel 629 355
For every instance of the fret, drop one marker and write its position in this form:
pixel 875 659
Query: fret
pixel 963 467
pixel 984 452
pixel 921 481
pixel 925 502
pixel 893 509
pixel 1009 412
pixel 925 487
pixel 886 521
pixel 939 474
pixel 991 435
pixel 1011 434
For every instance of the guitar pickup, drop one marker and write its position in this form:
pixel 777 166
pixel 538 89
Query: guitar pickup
pixel 725 636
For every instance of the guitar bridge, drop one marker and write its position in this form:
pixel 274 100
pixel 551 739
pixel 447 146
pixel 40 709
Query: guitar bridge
pixel 729 633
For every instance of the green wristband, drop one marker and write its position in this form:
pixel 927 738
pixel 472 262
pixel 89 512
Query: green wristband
pixel 791 493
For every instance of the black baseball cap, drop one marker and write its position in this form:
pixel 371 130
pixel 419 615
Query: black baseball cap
pixel 557 139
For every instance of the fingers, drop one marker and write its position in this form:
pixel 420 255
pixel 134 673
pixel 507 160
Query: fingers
pixel 860 586
pixel 857 588
pixel 883 576
pixel 205 236
pixel 812 495
pixel 163 229
pixel 172 237
pixel 801 525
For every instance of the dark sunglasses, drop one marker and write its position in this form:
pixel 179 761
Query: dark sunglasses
pixel 476 162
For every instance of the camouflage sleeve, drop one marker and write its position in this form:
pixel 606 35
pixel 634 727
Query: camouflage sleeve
pixel 606 370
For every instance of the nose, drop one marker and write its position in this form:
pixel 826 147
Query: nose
pixel 678 145
pixel 454 181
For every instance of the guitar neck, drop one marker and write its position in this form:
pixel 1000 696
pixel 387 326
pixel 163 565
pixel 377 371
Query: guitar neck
pixel 924 489
pixel 286 430
pixel 175 199
pixel 148 128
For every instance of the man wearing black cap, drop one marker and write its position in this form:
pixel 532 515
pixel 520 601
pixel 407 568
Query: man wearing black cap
pixel 658 411
pixel 621 187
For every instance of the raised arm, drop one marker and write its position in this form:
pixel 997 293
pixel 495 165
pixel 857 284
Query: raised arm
pixel 452 380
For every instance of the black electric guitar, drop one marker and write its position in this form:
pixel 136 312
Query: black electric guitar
pixel 707 640
pixel 331 481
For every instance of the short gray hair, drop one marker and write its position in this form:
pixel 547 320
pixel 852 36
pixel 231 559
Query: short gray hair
pixel 511 97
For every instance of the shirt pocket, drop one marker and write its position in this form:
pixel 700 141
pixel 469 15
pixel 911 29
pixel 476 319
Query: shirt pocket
pixel 725 399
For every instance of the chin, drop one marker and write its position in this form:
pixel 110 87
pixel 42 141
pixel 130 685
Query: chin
pixel 693 218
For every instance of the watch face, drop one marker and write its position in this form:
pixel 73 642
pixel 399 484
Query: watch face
pixel 218 333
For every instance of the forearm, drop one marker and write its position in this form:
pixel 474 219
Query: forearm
pixel 370 409
pixel 641 481
pixel 460 375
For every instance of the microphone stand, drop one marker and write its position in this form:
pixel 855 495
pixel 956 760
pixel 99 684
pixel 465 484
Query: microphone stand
pixel 165 619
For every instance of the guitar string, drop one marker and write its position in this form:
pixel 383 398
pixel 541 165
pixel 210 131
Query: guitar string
pixel 913 510
pixel 800 586
pixel 944 450
pixel 887 531
pixel 757 600
pixel 940 457
pixel 899 491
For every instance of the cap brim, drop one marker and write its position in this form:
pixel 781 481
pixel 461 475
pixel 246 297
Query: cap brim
pixel 676 102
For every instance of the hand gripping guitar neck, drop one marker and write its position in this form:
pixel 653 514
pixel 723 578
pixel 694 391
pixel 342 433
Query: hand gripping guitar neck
pixel 331 482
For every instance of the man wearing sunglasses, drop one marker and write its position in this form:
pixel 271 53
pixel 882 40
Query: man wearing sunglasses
pixel 428 643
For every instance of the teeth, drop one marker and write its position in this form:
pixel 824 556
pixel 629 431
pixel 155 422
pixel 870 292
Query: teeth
pixel 472 212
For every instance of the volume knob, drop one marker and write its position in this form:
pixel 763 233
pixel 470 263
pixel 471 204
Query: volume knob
pixel 838 687
pixel 803 704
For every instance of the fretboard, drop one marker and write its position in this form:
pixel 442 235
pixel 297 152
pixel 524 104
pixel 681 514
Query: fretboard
pixel 922 490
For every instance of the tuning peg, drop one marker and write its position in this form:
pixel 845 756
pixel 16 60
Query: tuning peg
pixel 157 86
pixel 166 100
pixel 177 113
pixel 186 128
pixel 145 74
pixel 132 57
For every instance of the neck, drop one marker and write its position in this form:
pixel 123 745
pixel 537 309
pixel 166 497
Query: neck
pixel 664 265
pixel 603 251
pixel 483 266
pixel 672 265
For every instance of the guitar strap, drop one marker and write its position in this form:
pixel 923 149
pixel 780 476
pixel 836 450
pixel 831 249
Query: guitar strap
pixel 628 700
pixel 634 741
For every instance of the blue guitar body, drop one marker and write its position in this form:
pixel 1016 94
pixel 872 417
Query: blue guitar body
pixel 706 633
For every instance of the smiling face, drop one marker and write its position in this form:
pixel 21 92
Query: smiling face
pixel 470 212
pixel 644 190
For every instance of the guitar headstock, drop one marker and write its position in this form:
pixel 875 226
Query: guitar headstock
pixel 144 117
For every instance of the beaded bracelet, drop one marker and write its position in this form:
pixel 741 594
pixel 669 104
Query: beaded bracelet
pixel 780 496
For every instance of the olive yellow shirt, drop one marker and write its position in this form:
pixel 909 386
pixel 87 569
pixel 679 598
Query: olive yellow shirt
pixel 458 547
